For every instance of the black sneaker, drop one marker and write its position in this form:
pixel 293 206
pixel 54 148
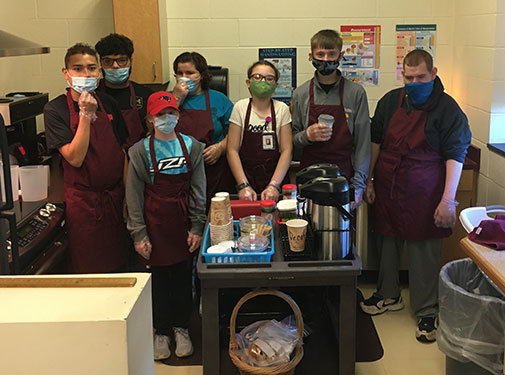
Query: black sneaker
pixel 377 305
pixel 427 329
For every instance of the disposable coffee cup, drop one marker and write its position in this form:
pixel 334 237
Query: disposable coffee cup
pixel 219 211
pixel 226 197
pixel 297 233
pixel 326 119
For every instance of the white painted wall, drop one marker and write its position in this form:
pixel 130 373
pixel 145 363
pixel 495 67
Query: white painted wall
pixel 479 86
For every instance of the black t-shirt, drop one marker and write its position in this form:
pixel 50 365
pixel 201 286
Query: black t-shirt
pixel 122 96
pixel 57 120
pixel 328 87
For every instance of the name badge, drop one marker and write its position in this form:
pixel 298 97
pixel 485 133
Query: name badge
pixel 268 140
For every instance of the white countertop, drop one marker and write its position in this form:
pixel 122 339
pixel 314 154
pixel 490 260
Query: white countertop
pixel 70 304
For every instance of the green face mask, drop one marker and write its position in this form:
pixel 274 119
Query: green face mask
pixel 262 89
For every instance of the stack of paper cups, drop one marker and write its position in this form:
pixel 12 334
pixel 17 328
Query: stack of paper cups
pixel 221 224
pixel 226 196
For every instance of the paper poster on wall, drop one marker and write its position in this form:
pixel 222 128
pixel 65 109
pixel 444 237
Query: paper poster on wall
pixel 363 76
pixel 284 59
pixel 361 49
pixel 410 37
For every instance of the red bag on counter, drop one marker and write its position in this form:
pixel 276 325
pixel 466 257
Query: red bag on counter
pixel 490 233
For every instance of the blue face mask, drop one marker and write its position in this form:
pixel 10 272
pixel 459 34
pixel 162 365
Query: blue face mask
pixel 80 84
pixel 192 86
pixel 419 92
pixel 117 76
pixel 165 123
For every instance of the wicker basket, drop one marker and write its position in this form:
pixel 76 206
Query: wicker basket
pixel 285 369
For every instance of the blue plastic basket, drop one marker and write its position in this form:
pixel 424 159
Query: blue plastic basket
pixel 249 257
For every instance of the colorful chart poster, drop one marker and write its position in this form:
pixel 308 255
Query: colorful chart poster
pixel 361 49
pixel 363 76
pixel 284 59
pixel 410 37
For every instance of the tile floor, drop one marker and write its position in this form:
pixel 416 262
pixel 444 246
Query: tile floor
pixel 402 352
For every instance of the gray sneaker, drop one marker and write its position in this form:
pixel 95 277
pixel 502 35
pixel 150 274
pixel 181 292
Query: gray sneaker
pixel 183 344
pixel 161 347
pixel 377 305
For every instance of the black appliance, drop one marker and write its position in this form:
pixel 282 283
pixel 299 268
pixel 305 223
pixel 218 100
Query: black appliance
pixel 219 79
pixel 7 219
pixel 19 110
pixel 32 239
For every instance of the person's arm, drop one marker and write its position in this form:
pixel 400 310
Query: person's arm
pixel 299 116
pixel 361 139
pixel 75 151
pixel 286 153
pixel 137 177
pixel 232 150
pixel 214 152
pixel 445 213
pixel 377 131
pixel 198 191
pixel 369 194
pixel 180 92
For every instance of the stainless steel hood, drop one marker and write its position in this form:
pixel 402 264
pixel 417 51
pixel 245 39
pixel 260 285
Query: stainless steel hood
pixel 11 45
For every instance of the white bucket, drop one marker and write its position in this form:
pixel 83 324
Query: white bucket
pixel 14 180
pixel 33 181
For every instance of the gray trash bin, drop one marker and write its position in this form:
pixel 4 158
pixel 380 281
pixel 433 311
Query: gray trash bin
pixel 471 319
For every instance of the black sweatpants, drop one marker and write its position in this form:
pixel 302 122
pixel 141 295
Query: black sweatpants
pixel 171 292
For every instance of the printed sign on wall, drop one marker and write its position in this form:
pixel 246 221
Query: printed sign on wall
pixel 284 60
pixel 410 37
pixel 361 51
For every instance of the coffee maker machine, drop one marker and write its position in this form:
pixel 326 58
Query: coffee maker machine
pixel 328 211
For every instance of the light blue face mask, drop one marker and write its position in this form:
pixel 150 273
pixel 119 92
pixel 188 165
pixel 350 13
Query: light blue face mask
pixel 80 84
pixel 117 76
pixel 166 123
pixel 192 86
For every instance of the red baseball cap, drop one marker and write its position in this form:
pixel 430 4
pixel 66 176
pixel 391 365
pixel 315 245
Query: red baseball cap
pixel 159 101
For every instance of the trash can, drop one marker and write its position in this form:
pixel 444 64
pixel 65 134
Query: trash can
pixel 471 320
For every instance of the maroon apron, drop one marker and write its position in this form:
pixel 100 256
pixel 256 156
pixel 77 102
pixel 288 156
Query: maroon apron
pixel 409 180
pixel 198 123
pixel 166 212
pixel 94 195
pixel 132 118
pixel 339 148
pixel 259 164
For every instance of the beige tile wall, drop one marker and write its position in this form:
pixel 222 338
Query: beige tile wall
pixel 54 23
pixel 230 33
pixel 479 86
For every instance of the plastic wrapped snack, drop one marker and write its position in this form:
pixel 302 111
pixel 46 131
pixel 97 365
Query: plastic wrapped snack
pixel 266 343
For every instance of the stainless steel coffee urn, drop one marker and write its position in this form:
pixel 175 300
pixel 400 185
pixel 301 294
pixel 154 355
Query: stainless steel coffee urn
pixel 330 215
pixel 309 173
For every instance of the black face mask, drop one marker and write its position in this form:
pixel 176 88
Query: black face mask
pixel 325 67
